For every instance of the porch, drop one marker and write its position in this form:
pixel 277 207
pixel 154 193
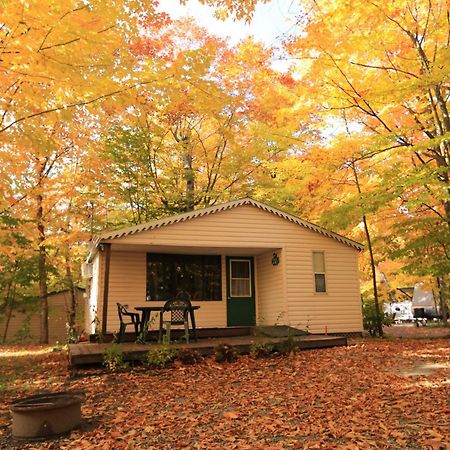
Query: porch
pixel 226 288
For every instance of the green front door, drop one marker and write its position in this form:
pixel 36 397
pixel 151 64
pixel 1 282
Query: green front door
pixel 240 291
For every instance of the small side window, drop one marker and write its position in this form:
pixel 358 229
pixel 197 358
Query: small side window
pixel 319 271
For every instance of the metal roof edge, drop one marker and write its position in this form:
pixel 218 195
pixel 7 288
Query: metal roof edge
pixel 309 225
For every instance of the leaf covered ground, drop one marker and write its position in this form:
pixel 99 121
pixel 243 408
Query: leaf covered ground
pixel 373 394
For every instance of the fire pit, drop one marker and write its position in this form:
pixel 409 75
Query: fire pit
pixel 46 415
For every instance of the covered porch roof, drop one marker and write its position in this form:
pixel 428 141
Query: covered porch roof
pixel 108 249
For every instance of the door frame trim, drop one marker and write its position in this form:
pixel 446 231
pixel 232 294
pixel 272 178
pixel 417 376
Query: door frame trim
pixel 252 282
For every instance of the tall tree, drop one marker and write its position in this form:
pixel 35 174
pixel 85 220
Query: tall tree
pixel 60 61
pixel 387 70
pixel 38 181
pixel 18 266
pixel 207 131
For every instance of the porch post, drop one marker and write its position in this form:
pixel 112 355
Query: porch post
pixel 107 249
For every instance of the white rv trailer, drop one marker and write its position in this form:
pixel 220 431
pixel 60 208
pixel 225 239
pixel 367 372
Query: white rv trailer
pixel 420 306
pixel 400 311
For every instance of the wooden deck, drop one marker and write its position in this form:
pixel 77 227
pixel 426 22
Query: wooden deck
pixel 92 353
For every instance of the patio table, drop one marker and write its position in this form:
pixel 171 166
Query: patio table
pixel 147 311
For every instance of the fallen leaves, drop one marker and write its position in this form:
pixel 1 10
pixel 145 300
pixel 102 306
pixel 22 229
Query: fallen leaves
pixel 231 415
pixel 347 398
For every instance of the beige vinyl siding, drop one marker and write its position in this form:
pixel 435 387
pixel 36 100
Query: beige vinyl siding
pixel 338 309
pixel 58 306
pixel 246 227
pixel 127 285
pixel 270 293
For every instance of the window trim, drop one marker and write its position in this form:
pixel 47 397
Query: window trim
pixel 324 273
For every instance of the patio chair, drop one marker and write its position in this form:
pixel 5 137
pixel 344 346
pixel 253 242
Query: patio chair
pixel 178 309
pixel 127 318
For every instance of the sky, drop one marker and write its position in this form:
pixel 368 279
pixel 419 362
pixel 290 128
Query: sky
pixel 270 22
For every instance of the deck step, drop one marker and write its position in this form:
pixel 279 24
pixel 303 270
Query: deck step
pixel 280 331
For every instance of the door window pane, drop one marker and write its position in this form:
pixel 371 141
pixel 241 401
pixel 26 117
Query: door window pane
pixel 240 269
pixel 240 288
pixel 240 278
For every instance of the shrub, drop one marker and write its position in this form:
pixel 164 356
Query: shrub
pixel 23 334
pixel 115 339
pixel 370 318
pixel 113 358
pixel 72 337
pixel 161 356
pixel 189 356
pixel 261 349
pixel 58 347
pixel 142 337
pixel 225 353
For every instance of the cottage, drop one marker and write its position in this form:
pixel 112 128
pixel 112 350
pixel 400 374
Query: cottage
pixel 243 263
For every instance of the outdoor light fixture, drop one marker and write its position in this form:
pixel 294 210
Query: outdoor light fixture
pixel 275 259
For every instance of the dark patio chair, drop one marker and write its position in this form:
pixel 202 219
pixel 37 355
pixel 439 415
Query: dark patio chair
pixel 178 309
pixel 127 318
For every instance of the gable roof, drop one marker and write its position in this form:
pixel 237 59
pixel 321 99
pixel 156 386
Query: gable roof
pixel 223 207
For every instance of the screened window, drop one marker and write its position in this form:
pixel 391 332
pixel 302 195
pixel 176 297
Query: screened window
pixel 319 271
pixel 198 275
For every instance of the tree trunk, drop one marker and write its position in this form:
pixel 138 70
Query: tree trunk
pixel 43 289
pixel 189 177
pixel 9 300
pixel 442 285
pixel 374 279
pixel 73 297
pixel 8 319
pixel 372 260
pixel 181 134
